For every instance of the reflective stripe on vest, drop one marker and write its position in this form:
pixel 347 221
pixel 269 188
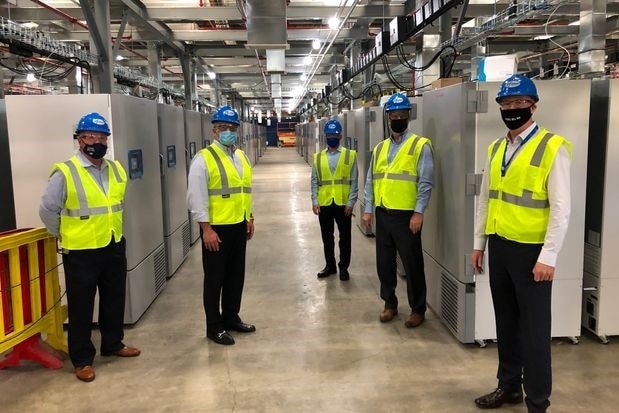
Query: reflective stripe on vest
pixel 90 218
pixel 334 187
pixel 229 194
pixel 518 205
pixel 395 184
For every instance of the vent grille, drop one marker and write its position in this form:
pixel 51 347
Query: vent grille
pixel 449 302
pixel 186 238
pixel 161 269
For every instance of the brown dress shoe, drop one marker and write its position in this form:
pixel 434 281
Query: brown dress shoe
pixel 85 373
pixel 414 320
pixel 497 398
pixel 388 314
pixel 124 352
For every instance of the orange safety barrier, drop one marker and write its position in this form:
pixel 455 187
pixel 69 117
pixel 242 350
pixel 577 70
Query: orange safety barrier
pixel 30 298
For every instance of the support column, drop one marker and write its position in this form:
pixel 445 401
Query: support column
pixel 186 67
pixel 445 35
pixel 154 65
pixel 98 19
pixel 354 54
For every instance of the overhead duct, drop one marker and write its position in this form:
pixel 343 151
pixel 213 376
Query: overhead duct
pixel 266 24
pixel 276 86
pixel 592 37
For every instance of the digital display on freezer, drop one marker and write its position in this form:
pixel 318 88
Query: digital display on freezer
pixel 136 165
pixel 171 151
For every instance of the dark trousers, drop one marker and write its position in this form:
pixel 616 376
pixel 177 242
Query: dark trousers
pixel 224 276
pixel 522 311
pixel 328 215
pixel 393 235
pixel 85 271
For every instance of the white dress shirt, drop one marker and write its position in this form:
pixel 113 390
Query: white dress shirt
pixel 558 196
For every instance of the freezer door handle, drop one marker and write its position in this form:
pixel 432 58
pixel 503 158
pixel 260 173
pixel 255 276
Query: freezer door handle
pixel 161 168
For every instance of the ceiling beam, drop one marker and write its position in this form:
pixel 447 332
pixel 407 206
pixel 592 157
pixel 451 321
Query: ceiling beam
pixel 162 31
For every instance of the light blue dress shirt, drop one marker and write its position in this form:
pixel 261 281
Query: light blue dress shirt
pixel 425 171
pixel 333 158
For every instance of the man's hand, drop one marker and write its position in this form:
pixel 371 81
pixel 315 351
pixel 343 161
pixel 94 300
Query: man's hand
pixel 416 222
pixel 250 229
pixel 316 209
pixel 477 261
pixel 347 211
pixel 543 272
pixel 367 220
pixel 211 239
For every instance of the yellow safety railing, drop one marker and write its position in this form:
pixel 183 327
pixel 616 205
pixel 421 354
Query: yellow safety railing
pixel 30 297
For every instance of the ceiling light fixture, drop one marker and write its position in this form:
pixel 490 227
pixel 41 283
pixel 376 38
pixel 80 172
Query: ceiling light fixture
pixel 316 44
pixel 119 58
pixel 303 77
pixel 307 60
pixel 333 23
pixel 30 77
pixel 211 75
pixel 30 25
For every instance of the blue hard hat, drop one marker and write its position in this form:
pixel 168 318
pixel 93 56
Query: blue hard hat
pixel 93 122
pixel 333 127
pixel 226 114
pixel 517 85
pixel 397 101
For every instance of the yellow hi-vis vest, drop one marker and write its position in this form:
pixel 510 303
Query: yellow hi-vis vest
pixel 229 195
pixel 90 218
pixel 334 187
pixel 395 184
pixel 518 207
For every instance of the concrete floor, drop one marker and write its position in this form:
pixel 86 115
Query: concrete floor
pixel 319 346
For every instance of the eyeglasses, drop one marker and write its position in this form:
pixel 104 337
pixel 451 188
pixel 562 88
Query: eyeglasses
pixel 231 128
pixel 396 115
pixel 506 103
pixel 93 138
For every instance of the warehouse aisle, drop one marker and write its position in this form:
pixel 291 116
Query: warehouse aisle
pixel 319 346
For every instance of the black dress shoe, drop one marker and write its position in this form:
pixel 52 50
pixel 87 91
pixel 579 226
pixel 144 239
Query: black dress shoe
pixel 221 337
pixel 241 327
pixel 327 271
pixel 344 275
pixel 496 399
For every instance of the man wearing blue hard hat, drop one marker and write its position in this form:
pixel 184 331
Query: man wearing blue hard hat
pixel 398 187
pixel 82 206
pixel 334 187
pixel 523 212
pixel 219 198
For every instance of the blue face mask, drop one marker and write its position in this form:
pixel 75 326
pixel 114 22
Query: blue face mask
pixel 333 142
pixel 227 138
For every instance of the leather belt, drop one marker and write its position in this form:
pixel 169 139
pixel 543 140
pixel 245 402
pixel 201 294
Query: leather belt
pixel 395 211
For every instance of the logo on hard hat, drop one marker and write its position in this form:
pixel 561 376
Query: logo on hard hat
pixel 512 83
pixel 398 99
pixel 229 112
pixel 98 121
pixel 331 126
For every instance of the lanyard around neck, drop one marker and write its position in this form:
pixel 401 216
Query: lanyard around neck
pixel 505 163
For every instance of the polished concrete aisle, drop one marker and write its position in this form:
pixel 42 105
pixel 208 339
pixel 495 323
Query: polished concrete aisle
pixel 319 346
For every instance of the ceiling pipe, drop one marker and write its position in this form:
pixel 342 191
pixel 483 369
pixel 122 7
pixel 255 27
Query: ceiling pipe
pixel 60 13
pixel 323 53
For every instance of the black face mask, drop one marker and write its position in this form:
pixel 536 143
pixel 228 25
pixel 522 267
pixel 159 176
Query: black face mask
pixel 515 118
pixel 399 125
pixel 96 150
